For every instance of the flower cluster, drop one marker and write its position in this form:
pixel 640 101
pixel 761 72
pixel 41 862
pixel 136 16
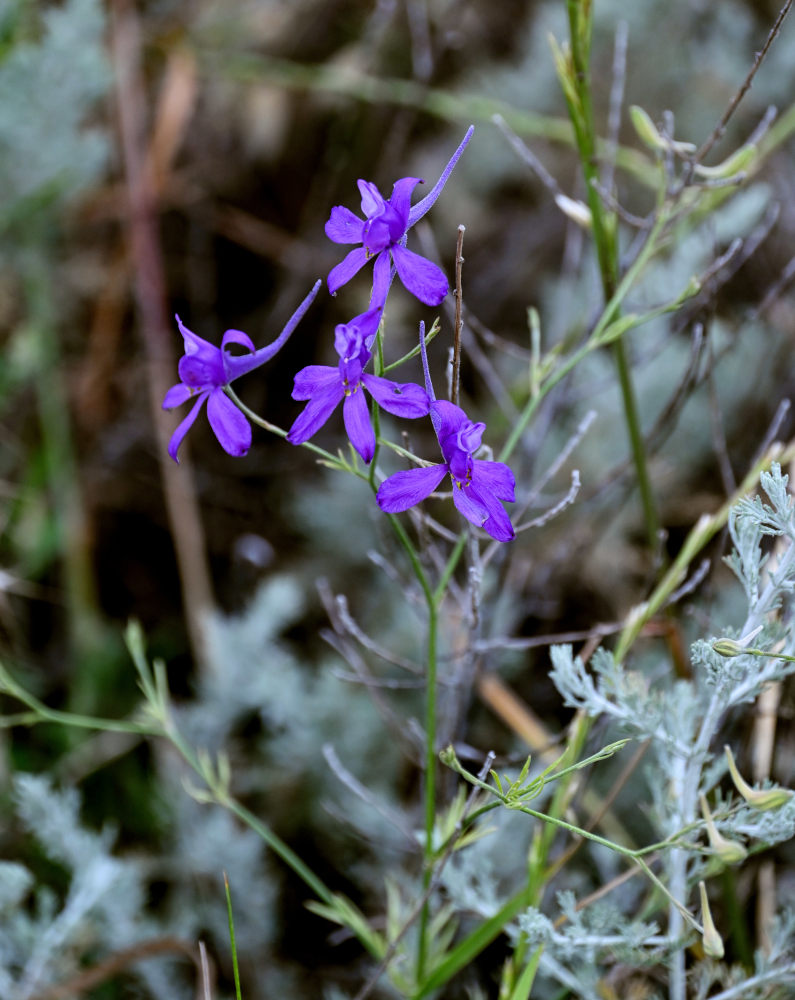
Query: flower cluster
pixel 479 487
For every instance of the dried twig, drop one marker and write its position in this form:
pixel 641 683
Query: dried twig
pixel 118 962
pixel 717 133
pixel 178 484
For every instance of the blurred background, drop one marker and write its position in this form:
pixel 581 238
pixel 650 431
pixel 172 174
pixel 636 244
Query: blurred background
pixel 182 157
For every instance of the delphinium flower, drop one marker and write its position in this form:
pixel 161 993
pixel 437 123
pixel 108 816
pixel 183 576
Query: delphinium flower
pixel 205 369
pixel 383 235
pixel 325 387
pixel 479 486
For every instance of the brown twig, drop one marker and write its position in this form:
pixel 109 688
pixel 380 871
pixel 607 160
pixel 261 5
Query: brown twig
pixel 150 293
pixel 720 128
pixel 116 963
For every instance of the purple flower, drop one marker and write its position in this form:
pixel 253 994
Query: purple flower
pixel 478 486
pixel 383 235
pixel 205 369
pixel 325 387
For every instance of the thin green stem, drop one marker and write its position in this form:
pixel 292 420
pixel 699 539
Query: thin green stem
pixel 473 944
pixel 518 973
pixel 632 273
pixel 235 969
pixel 278 846
pixel 429 336
pixel 375 413
pixel 255 418
pixel 627 852
pixel 42 713
pixel 604 233
pixel 430 783
pixel 637 444
pixel 449 569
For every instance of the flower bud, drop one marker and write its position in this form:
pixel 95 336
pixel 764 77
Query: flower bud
pixel 730 852
pixel 577 211
pixel 735 647
pixel 759 798
pixel 447 756
pixel 734 164
pixel 648 133
pixel 711 940
pixel 727 647
pixel 645 127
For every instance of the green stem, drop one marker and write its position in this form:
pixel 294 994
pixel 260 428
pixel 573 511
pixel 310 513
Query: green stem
pixel 449 568
pixel 537 871
pixel 430 784
pixel 235 968
pixel 255 418
pixel 604 229
pixel 39 712
pixel 473 945
pixel 632 273
pixel 637 445
pixel 627 852
pixel 278 846
pixel 222 798
pixel 375 413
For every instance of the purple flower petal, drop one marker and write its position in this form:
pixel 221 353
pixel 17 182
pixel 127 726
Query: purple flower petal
pixel 177 395
pixel 236 365
pixel 410 487
pixel 372 200
pixel 237 337
pixel 404 399
pixel 377 233
pixel 353 339
pixel 199 371
pixel 193 343
pixel 495 478
pixel 184 427
pixel 357 424
pixel 447 418
pixel 314 379
pixel 497 524
pixel 346 269
pixel 470 504
pixel 343 226
pixel 316 412
pixel 420 276
pixel 382 279
pixel 228 423
pixel 401 202
pixel 422 206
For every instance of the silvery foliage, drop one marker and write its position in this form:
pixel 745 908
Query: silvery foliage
pixel 683 718
pixel 43 937
pixel 767 968
pixel 47 152
pixel 251 673
pixel 254 674
pixel 208 843
pixel 44 940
